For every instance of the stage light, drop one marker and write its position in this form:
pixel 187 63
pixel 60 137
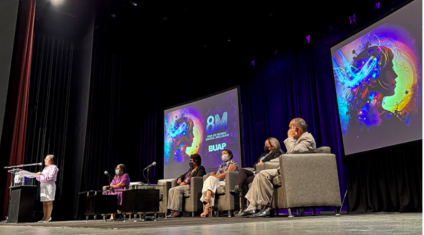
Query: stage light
pixel 377 5
pixel 113 15
pixel 276 52
pixel 352 19
pixel 308 39
pixel 57 2
pixel 252 63
pixel 229 40
pixel 133 3
pixel 165 18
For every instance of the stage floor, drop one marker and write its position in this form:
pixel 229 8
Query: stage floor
pixel 371 223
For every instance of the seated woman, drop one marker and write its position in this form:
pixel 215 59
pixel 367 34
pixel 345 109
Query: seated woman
pixel 215 180
pixel 175 201
pixel 272 150
pixel 120 182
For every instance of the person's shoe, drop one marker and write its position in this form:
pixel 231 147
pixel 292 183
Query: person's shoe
pixel 264 213
pixel 175 215
pixel 50 220
pixel 236 191
pixel 246 213
pixel 240 212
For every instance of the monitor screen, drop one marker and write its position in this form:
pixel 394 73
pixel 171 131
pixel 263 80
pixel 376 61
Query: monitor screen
pixel 377 74
pixel 206 127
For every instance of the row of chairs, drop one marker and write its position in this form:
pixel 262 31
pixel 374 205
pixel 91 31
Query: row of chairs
pixel 309 180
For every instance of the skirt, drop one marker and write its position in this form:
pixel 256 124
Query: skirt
pixel 47 191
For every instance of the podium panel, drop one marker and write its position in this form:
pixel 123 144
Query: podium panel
pixel 22 200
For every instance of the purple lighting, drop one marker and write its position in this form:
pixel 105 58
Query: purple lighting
pixel 252 62
pixel 275 52
pixel 308 39
pixel 377 5
pixel 352 19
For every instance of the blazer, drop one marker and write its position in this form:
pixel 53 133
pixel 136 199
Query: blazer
pixel 200 171
pixel 271 156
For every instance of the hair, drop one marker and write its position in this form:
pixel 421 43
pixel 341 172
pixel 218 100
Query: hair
pixel 196 158
pixel 360 93
pixel 274 143
pixel 123 168
pixel 301 123
pixel 52 158
pixel 229 153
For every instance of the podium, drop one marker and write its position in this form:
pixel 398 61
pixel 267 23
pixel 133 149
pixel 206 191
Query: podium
pixel 21 196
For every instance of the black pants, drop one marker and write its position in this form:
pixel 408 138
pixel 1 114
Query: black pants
pixel 245 177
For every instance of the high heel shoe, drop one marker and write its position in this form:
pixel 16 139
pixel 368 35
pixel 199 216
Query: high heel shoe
pixel 208 210
pixel 48 221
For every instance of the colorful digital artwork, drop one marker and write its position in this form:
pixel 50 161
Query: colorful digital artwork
pixel 378 81
pixel 205 127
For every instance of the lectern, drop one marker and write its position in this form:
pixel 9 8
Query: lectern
pixel 21 195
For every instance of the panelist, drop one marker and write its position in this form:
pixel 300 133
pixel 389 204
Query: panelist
pixel 215 180
pixel 47 180
pixel 272 150
pixel 120 182
pixel 175 199
pixel 299 140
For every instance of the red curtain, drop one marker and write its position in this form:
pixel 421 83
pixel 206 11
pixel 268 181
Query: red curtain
pixel 19 89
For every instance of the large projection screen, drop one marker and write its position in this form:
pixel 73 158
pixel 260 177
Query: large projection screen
pixel 377 74
pixel 206 127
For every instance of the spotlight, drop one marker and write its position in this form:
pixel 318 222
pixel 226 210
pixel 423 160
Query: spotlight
pixel 352 19
pixel 57 2
pixel 133 3
pixel 229 40
pixel 377 6
pixel 308 39
pixel 252 63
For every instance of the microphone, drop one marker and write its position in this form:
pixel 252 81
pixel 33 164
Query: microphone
pixel 108 175
pixel 153 164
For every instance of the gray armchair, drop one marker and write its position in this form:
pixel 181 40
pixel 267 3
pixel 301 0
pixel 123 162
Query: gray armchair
pixel 191 199
pixel 224 201
pixel 309 180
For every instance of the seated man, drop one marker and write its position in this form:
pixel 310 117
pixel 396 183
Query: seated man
pixel 262 190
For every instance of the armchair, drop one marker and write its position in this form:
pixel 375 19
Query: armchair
pixel 309 180
pixel 191 199
pixel 224 201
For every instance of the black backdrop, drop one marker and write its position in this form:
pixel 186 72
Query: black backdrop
pixel 130 84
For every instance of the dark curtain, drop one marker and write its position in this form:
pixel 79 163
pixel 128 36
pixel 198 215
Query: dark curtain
pixel 49 104
pixel 102 137
pixel 386 180
pixel 17 105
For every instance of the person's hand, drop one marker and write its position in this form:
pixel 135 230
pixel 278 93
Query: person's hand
pixel 39 173
pixel 181 184
pixel 292 132
pixel 111 186
pixel 213 174
pixel 259 163
pixel 179 181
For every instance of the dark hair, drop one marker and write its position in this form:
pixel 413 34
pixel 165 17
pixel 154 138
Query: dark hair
pixel 229 153
pixel 52 158
pixel 196 158
pixel 123 168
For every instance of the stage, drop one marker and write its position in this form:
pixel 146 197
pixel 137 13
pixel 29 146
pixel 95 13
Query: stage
pixel 370 223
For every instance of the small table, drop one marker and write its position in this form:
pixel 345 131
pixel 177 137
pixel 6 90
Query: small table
pixel 141 199
pixel 96 203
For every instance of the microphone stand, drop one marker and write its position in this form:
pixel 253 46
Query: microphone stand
pixel 148 176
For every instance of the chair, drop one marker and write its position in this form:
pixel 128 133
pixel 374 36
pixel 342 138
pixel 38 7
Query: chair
pixel 308 180
pixel 224 201
pixel 191 198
